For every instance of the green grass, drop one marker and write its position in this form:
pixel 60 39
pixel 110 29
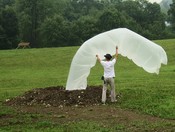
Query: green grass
pixel 47 126
pixel 22 70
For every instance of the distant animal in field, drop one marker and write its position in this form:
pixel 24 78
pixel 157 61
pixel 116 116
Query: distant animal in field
pixel 23 45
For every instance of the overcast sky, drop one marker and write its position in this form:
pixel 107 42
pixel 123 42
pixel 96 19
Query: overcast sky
pixel 158 1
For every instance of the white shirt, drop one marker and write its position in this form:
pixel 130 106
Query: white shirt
pixel 109 68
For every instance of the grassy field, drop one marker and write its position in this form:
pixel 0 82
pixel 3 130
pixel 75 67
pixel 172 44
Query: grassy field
pixel 22 70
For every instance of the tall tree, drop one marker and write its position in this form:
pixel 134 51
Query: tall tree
pixel 147 15
pixel 3 40
pixel 9 27
pixel 4 3
pixel 111 18
pixel 86 27
pixel 171 13
pixel 52 31
pixel 31 14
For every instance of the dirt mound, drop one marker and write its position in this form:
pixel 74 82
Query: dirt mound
pixel 58 96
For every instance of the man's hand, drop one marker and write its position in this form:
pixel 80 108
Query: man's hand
pixel 98 58
pixel 116 52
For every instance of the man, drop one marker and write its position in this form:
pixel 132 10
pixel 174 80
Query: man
pixel 109 75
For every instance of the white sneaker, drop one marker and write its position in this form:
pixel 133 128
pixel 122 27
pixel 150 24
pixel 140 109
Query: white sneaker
pixel 114 101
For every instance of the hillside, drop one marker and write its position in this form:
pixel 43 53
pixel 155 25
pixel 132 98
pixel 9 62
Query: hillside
pixel 34 78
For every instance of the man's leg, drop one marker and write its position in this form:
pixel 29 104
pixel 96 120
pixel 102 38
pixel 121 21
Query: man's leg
pixel 104 91
pixel 112 84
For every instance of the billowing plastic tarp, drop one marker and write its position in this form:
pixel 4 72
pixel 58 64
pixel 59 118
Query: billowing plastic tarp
pixel 143 52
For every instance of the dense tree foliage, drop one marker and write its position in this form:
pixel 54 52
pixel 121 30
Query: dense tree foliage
pixel 165 5
pixel 171 13
pixel 54 23
pixel 8 28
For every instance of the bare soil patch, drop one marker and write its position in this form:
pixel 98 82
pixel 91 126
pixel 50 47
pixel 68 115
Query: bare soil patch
pixel 58 96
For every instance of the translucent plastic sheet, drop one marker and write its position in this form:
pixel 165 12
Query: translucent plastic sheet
pixel 143 52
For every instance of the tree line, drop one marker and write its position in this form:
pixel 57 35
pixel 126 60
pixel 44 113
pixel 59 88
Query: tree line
pixel 56 23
